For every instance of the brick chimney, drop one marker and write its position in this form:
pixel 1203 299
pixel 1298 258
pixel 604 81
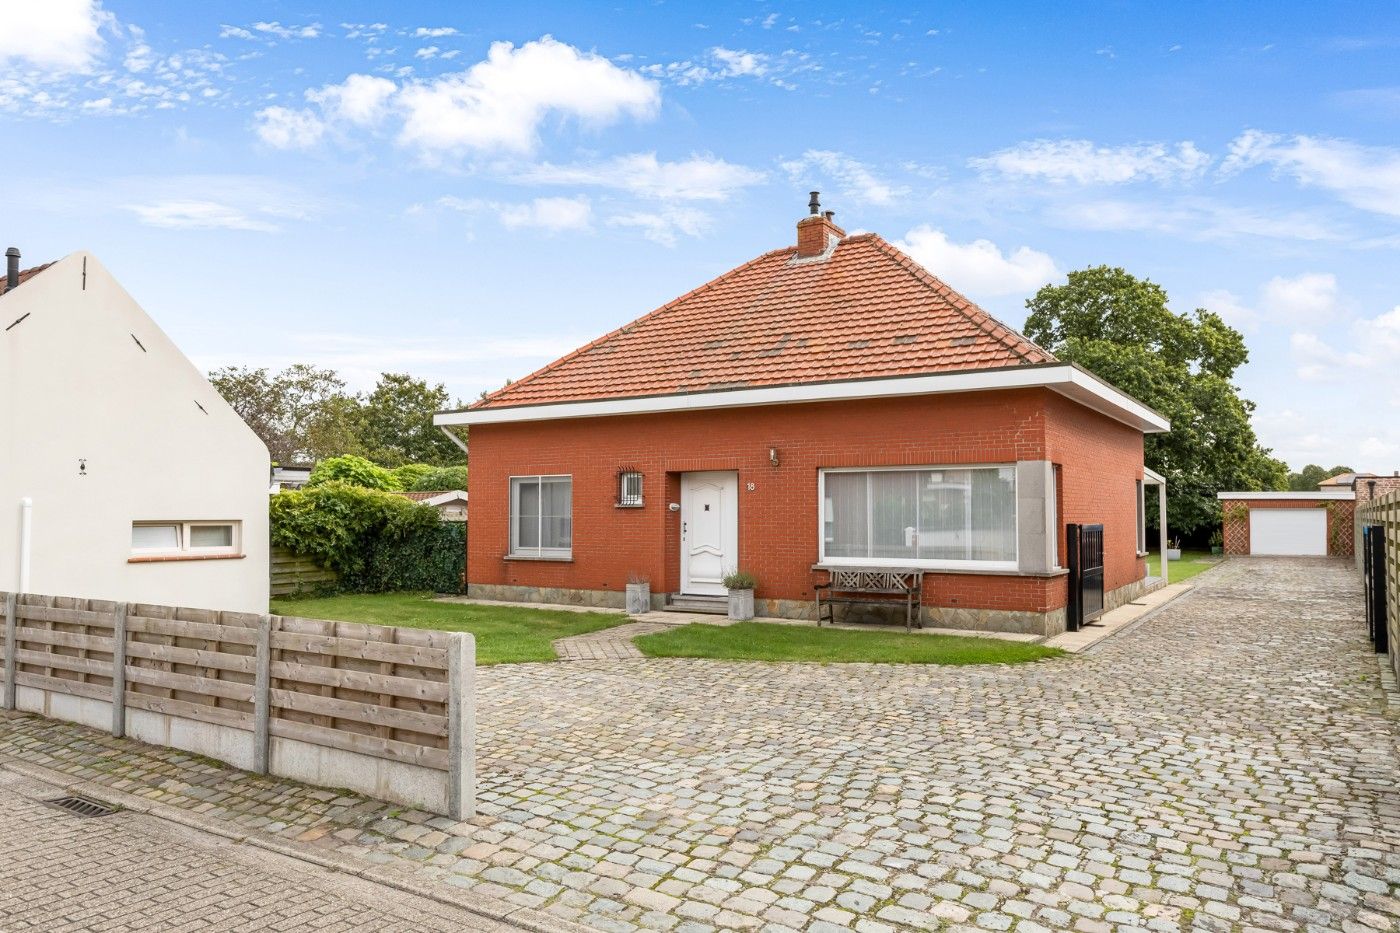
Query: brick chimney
pixel 816 231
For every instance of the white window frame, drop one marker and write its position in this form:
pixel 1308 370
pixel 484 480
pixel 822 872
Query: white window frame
pixel 183 537
pixel 915 563
pixel 513 497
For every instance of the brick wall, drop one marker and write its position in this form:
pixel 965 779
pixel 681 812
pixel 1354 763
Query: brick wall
pixel 778 517
pixel 1340 522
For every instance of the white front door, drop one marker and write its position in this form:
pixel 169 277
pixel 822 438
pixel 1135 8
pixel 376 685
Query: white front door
pixel 709 531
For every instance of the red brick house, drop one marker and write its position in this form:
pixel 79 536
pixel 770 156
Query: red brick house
pixel 826 404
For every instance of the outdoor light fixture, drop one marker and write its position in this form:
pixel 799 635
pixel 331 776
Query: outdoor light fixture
pixel 773 455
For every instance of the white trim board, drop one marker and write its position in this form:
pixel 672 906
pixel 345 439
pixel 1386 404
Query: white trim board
pixel 1068 380
pixel 1330 495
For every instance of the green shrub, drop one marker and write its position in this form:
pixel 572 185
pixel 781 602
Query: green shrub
pixel 374 540
pixel 440 479
pixel 408 475
pixel 353 470
pixel 739 580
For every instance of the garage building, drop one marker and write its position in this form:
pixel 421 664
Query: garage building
pixel 1317 524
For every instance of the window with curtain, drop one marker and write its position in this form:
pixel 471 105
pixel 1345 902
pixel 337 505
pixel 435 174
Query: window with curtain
pixel 541 516
pixel 920 517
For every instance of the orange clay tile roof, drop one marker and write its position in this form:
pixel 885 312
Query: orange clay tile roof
pixel 866 310
pixel 24 275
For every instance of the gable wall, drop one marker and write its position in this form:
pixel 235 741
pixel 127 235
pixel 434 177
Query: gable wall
pixel 74 385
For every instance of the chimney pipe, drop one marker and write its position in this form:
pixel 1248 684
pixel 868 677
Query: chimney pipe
pixel 11 268
pixel 815 203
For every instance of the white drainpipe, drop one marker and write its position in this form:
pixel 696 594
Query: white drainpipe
pixel 26 522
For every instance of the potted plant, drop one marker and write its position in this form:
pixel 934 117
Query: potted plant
pixel 740 585
pixel 1217 542
pixel 638 594
pixel 1174 549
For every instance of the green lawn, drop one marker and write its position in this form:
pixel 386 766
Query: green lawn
pixel 764 641
pixel 504 634
pixel 1191 563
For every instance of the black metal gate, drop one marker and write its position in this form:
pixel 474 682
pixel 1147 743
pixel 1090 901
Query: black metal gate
pixel 1085 546
pixel 1373 577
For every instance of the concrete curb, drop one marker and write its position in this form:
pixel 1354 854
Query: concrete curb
pixel 1137 623
pixel 396 878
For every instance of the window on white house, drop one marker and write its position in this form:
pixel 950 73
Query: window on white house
pixel 184 538
pixel 541 516
pixel 925 517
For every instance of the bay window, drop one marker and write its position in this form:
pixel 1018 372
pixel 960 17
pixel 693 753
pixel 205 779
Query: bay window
pixel 541 516
pixel 920 517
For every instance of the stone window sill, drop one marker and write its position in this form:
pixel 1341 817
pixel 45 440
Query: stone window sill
pixel 531 557
pixel 172 558
pixel 1057 572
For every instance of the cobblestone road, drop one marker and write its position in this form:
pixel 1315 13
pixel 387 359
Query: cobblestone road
pixel 63 874
pixel 1230 765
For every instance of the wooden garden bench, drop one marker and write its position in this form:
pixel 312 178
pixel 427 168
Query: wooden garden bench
pixel 872 587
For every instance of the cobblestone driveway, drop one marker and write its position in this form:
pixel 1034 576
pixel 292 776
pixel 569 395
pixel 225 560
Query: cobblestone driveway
pixel 1229 765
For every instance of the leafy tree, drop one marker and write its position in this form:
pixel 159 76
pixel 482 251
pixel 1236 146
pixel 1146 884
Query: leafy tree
pixel 351 470
pixel 442 478
pixel 397 422
pixel 1120 328
pixel 1306 479
pixel 281 408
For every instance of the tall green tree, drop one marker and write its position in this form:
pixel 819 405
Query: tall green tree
pixel 397 423
pixel 1120 328
pixel 1306 479
pixel 283 407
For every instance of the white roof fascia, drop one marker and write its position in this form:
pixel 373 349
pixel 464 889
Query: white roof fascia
pixel 1070 381
pixel 1331 495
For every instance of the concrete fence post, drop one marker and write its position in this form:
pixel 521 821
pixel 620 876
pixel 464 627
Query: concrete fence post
pixel 11 646
pixel 262 698
pixel 119 670
pixel 461 726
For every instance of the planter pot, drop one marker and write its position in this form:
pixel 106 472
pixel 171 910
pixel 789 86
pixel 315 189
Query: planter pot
pixel 741 605
pixel 638 598
pixel 1173 553
pixel 1217 550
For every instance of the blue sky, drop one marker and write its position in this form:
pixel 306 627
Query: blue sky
pixel 465 191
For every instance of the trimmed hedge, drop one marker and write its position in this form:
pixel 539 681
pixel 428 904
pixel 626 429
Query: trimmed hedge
pixel 374 540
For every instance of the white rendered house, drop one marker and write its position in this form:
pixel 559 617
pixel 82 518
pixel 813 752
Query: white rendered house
pixel 123 474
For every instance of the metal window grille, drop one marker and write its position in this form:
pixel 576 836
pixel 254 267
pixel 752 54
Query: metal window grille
pixel 629 489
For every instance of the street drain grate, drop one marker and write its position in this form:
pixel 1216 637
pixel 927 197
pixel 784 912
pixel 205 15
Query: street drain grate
pixel 81 806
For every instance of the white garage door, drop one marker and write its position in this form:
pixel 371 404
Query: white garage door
pixel 1288 531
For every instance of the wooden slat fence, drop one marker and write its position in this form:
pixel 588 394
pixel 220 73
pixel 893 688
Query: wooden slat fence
pixel 293 574
pixel 1385 511
pixel 395 694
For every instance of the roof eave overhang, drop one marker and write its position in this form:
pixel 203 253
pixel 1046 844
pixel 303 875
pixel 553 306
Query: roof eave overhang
pixel 1066 379
pixel 1330 495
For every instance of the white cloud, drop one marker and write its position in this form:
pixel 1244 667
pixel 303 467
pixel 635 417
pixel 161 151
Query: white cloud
pixel 427 52
pixel 359 99
pixel 720 64
pixel 1231 308
pixel 856 180
pixel 1192 217
pixel 199 215
pixel 553 215
pixel 740 63
pixel 979 266
pixel 289 32
pixel 1082 162
pixel 498 104
pixel 1318 361
pixel 1310 297
pixel 1366 177
pixel 665 226
pixel 235 32
pixel 699 178
pixel 284 128
pixel 433 32
pixel 54 35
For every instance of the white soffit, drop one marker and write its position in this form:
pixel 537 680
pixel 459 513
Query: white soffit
pixel 1070 381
